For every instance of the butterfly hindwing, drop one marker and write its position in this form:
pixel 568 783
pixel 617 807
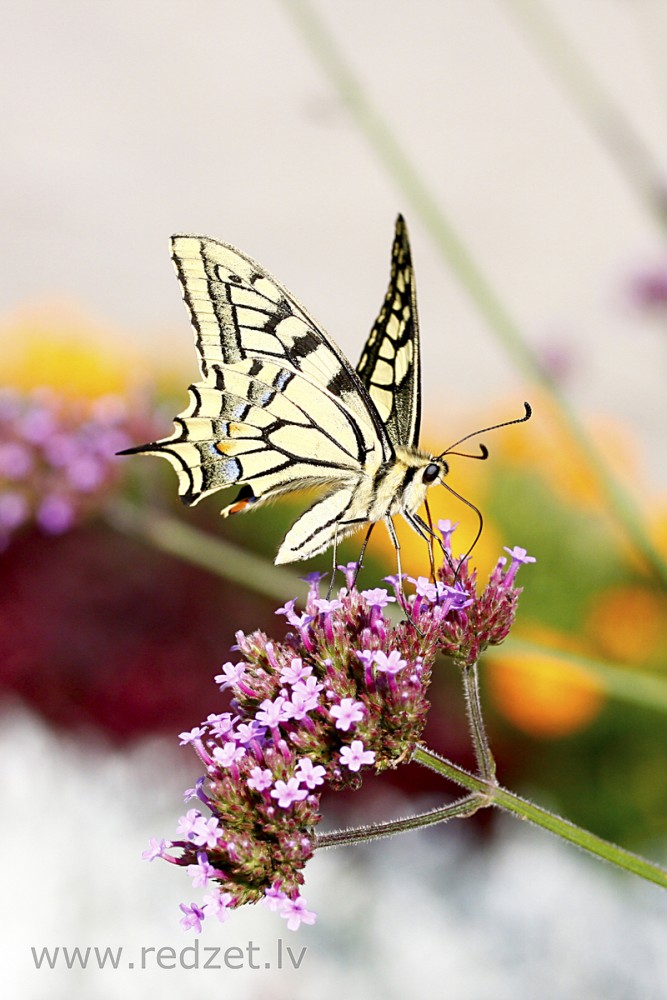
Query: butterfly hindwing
pixel 390 362
pixel 261 424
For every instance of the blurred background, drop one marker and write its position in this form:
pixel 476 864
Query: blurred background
pixel 525 142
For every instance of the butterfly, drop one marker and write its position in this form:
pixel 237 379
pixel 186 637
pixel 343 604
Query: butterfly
pixel 280 408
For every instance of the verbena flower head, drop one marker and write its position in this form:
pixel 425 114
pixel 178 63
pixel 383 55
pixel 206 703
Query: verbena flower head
pixel 344 691
pixel 58 457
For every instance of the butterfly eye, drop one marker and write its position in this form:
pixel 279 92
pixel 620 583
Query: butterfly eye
pixel 431 473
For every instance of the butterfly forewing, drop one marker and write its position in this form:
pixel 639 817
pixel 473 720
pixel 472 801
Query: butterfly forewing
pixel 240 311
pixel 390 362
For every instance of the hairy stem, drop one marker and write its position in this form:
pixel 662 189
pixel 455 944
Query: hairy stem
pixel 466 806
pixel 508 801
pixel 483 755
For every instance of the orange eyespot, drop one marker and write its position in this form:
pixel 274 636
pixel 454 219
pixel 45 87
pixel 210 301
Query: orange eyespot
pixel 238 507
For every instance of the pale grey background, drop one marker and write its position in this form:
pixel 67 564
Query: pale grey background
pixel 124 122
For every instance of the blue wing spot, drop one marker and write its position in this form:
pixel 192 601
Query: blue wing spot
pixel 241 411
pixel 231 470
pixel 282 379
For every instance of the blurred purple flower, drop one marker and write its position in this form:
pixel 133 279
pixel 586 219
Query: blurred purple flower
pixel 648 288
pixel 58 457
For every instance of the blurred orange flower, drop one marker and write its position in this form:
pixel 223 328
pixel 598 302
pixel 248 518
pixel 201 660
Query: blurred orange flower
pixel 629 623
pixel 543 694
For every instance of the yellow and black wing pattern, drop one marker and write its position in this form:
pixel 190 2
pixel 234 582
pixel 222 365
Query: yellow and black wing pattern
pixel 390 362
pixel 278 406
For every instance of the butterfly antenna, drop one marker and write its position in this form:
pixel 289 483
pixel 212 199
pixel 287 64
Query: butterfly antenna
pixel 493 427
pixel 483 451
pixel 472 506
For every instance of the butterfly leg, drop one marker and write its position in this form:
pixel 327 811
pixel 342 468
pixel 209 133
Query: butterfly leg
pixel 420 527
pixel 427 532
pixel 430 539
pixel 394 538
pixel 392 534
pixel 335 557
pixel 363 551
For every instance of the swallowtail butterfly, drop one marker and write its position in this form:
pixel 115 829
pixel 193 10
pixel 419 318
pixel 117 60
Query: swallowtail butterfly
pixel 279 407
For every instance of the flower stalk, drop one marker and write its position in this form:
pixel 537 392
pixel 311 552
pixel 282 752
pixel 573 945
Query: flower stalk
pixel 484 791
pixel 460 809
pixel 485 762
pixel 500 797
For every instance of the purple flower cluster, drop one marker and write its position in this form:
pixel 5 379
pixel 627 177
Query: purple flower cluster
pixel 57 457
pixel 451 613
pixel 345 690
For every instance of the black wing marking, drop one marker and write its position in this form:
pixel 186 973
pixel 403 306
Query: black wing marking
pixel 265 426
pixel 278 406
pixel 390 362
pixel 239 311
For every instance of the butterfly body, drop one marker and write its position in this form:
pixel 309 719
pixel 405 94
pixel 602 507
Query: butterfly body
pixel 279 407
pixel 398 487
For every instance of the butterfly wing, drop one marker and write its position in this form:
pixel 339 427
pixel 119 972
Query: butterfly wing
pixel 278 407
pixel 239 311
pixel 390 362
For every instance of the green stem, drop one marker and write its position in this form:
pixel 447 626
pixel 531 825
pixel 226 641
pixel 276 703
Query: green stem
pixel 485 761
pixel 503 799
pixel 200 549
pixel 465 806
pixel 388 147
pixel 258 575
pixel 459 258
pixel 601 113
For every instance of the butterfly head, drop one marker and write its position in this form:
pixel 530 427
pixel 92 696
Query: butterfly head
pixel 411 477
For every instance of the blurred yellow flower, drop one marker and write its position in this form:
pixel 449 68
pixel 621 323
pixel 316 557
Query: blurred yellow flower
pixel 59 348
pixel 658 527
